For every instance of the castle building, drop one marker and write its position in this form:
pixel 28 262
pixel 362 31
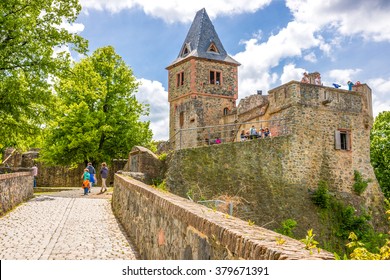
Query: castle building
pixel 202 81
pixel 327 129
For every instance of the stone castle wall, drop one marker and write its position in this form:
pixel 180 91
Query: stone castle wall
pixel 15 188
pixel 165 226
pixel 63 176
pixel 271 179
pixel 316 113
pixel 55 176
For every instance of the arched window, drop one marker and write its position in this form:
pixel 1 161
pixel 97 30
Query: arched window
pixel 225 111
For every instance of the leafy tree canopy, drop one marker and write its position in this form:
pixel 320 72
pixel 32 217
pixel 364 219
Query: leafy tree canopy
pixel 30 33
pixel 97 117
pixel 380 151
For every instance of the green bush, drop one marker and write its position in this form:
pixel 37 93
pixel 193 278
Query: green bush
pixel 351 221
pixel 360 185
pixel 162 156
pixel 287 227
pixel 162 186
pixel 321 196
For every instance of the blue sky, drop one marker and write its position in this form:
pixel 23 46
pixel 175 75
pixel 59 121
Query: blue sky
pixel 274 40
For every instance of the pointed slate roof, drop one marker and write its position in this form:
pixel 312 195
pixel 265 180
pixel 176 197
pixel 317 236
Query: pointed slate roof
pixel 202 41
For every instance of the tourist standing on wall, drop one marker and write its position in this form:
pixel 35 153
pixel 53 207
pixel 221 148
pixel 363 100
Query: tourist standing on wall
pixel 92 173
pixel 305 78
pixel 267 133
pixel 253 132
pixel 104 174
pixel 35 174
pixel 350 85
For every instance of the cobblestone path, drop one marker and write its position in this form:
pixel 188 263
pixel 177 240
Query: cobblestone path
pixel 64 226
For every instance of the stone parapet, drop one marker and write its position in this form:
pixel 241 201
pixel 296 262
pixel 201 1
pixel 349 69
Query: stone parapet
pixel 166 226
pixel 15 188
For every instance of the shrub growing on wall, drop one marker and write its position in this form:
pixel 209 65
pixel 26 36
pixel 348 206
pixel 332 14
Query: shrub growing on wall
pixel 360 185
pixel 287 227
pixel 321 196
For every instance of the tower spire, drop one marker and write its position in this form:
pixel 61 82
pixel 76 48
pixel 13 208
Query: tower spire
pixel 202 41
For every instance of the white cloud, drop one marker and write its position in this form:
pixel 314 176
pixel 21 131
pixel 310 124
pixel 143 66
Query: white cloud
pixel 290 72
pixel 342 76
pixel 368 19
pixel 341 18
pixel 74 28
pixel 258 59
pixel 380 90
pixel 311 57
pixel 177 10
pixel 154 94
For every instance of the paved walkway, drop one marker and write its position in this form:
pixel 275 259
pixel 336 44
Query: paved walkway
pixel 64 226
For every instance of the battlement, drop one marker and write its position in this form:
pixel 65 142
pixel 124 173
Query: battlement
pixel 294 93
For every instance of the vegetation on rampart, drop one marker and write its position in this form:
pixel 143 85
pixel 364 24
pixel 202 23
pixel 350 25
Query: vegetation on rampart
pixel 344 219
pixel 380 151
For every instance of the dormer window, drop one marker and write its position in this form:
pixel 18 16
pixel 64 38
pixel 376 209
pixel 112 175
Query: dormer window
pixel 213 48
pixel 186 50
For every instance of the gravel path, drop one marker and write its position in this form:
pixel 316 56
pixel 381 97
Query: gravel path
pixel 64 226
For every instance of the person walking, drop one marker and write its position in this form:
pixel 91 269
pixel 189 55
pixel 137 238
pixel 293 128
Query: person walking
pixel 92 173
pixel 104 175
pixel 35 174
pixel 86 177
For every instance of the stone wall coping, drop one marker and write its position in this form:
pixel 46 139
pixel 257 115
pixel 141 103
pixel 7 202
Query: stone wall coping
pixel 244 240
pixel 139 149
pixel 14 175
pixel 313 85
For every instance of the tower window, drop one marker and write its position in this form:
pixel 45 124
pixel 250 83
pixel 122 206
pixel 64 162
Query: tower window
pixel 213 48
pixel 343 140
pixel 225 111
pixel 186 50
pixel 215 77
pixel 180 79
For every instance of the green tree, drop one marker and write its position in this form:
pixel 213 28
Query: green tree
pixel 30 33
pixel 380 151
pixel 98 116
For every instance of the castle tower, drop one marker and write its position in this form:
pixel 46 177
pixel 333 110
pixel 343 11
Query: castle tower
pixel 202 83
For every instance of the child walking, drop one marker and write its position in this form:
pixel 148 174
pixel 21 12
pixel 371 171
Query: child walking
pixel 86 177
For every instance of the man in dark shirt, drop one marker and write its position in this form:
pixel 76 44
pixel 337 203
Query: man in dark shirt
pixel 92 173
pixel 104 174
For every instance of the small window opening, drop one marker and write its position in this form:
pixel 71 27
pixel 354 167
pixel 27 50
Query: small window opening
pixel 215 77
pixel 342 140
pixel 180 79
pixel 213 48
pixel 186 50
pixel 225 111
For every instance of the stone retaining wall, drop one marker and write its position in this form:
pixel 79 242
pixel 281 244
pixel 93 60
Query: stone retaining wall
pixel 15 188
pixel 166 226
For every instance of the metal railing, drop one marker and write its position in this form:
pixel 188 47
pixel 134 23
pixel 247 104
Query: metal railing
pixel 225 133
